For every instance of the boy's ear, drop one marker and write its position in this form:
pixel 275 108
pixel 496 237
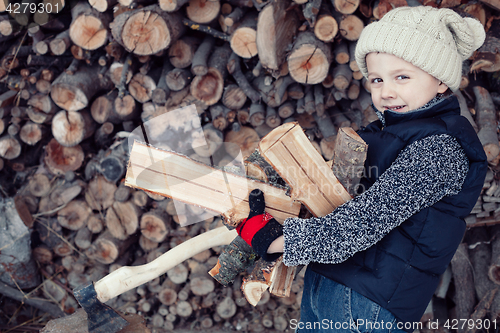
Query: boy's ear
pixel 442 88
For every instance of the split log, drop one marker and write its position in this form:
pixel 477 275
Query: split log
pixel 146 30
pixel 17 269
pixel 233 206
pixel 89 28
pixel 487 122
pixel 276 28
pixel 254 286
pixel 309 59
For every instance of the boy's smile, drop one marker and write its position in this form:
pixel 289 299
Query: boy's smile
pixel 398 85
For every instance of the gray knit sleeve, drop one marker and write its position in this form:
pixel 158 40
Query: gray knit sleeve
pixel 422 174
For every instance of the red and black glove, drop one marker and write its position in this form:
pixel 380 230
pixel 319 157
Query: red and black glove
pixel 260 229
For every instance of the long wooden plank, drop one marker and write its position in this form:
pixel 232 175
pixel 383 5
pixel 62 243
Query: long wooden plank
pixel 179 177
pixel 296 160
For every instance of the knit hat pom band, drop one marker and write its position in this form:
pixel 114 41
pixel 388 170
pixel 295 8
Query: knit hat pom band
pixel 434 40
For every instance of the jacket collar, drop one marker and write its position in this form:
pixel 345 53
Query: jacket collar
pixel 437 107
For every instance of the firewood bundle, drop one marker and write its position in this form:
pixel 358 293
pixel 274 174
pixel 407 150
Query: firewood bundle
pixel 73 89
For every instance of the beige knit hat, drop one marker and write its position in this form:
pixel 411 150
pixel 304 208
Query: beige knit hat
pixel 435 40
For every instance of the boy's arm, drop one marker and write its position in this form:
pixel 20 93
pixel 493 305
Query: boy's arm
pixel 422 174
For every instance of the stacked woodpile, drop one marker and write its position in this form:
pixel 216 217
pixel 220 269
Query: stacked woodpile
pixel 72 89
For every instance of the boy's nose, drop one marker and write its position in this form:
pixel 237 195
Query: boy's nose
pixel 388 91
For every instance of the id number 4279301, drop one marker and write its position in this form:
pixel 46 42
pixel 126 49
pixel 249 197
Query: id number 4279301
pixel 32 7
pixel 471 324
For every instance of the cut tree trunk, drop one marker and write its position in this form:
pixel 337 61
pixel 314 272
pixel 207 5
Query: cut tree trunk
pixel 243 39
pixel 182 51
pixel 209 87
pixel 122 219
pixel 74 215
pixel 74 92
pixel 106 248
pixel 202 11
pixel 326 27
pixel 309 59
pixel 70 128
pixel 148 30
pixel 89 28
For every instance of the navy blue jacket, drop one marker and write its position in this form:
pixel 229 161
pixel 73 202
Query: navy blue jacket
pixel 402 271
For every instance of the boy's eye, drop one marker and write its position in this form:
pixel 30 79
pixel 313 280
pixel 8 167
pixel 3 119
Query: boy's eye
pixel 402 77
pixel 376 80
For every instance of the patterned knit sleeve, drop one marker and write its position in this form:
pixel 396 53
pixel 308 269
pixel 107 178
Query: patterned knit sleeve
pixel 422 174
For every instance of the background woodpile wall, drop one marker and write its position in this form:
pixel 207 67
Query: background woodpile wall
pixel 72 89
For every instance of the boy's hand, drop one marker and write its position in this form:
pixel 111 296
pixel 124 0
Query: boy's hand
pixel 259 229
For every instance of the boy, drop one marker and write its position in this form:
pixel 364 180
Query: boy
pixel 374 262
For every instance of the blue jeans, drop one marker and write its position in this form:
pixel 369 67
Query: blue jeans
pixel 328 306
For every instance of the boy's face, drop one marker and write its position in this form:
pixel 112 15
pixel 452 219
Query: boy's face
pixel 398 85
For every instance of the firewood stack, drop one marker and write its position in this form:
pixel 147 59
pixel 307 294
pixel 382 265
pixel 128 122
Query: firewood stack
pixel 73 88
